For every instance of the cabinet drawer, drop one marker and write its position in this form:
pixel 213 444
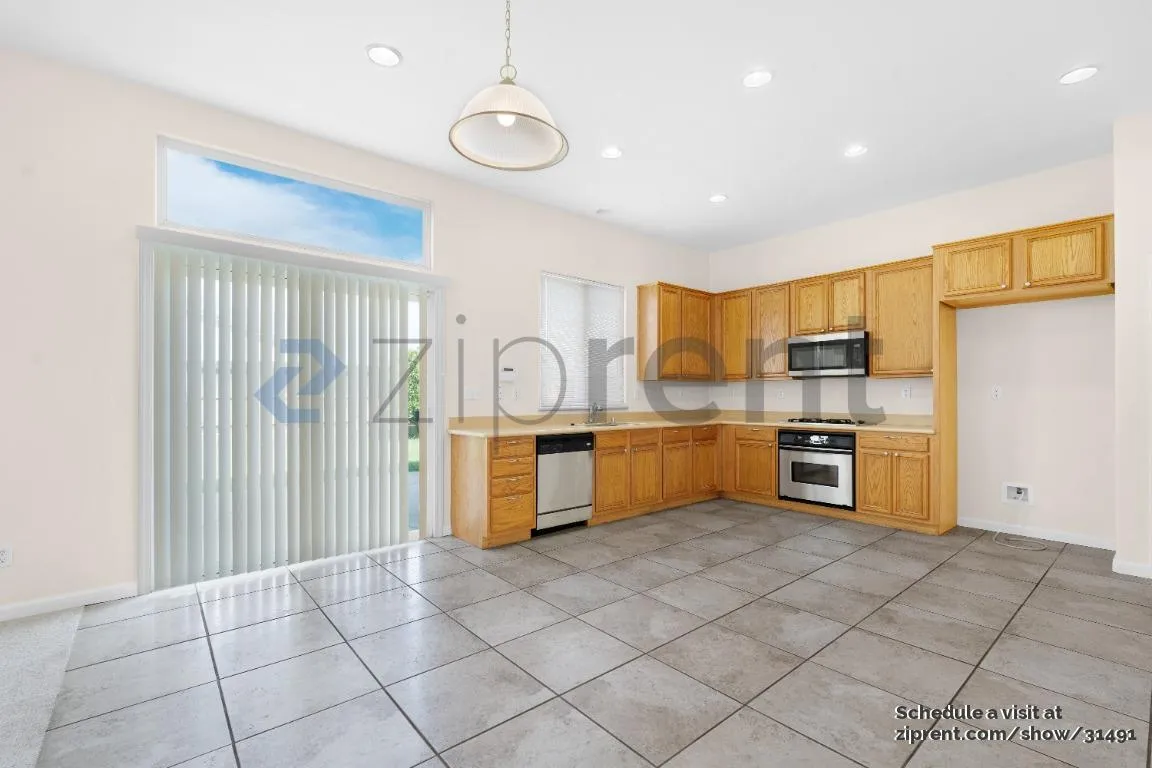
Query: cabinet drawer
pixel 511 513
pixel 892 442
pixel 512 486
pixel 766 434
pixel 705 433
pixel 614 439
pixel 645 437
pixel 676 434
pixel 522 465
pixel 506 447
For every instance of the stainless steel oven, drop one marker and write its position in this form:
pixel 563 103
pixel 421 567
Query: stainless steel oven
pixel 817 468
pixel 828 354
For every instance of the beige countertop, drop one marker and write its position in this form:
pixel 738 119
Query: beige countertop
pixel 481 427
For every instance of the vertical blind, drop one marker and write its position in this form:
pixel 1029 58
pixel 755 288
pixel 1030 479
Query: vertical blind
pixel 580 318
pixel 238 489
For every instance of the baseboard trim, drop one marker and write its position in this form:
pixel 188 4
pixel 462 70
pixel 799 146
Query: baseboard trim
pixel 69 600
pixel 1037 533
pixel 1129 568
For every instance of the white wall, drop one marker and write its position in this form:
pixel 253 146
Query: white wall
pixel 77 175
pixel 1132 143
pixel 1069 192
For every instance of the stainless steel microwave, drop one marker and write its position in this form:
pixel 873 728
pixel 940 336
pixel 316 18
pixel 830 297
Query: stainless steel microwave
pixel 828 354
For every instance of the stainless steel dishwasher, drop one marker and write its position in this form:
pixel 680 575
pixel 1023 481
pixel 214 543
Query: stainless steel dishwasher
pixel 563 479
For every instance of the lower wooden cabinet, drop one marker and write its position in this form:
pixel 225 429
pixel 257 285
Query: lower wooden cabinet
pixel 645 474
pixel 677 470
pixel 705 466
pixel 612 487
pixel 893 480
pixel 755 472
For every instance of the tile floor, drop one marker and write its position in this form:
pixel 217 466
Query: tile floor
pixel 714 635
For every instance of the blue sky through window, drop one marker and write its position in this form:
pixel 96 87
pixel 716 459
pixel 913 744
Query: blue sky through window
pixel 203 193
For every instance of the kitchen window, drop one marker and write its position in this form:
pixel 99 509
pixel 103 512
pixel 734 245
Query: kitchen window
pixel 582 320
pixel 219 194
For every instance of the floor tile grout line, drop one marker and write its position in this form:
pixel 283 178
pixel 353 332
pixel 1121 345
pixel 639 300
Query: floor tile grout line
pixel 1138 670
pixel 1090 621
pixel 220 687
pixel 988 650
pixel 135 653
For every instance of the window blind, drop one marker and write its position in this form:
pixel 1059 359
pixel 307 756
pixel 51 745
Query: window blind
pixel 581 319
pixel 245 481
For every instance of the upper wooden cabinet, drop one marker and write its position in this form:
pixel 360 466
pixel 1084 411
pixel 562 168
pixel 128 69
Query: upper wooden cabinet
pixel 900 318
pixel 770 331
pixel 827 303
pixel 734 311
pixel 673 332
pixel 1055 262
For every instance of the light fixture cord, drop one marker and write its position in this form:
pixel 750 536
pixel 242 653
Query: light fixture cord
pixel 508 72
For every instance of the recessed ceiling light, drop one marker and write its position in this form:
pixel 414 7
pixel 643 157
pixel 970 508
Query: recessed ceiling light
pixel 719 197
pixel 855 150
pixel 384 55
pixel 757 78
pixel 1078 75
pixel 611 152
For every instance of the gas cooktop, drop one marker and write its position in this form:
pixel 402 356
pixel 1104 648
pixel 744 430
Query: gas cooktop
pixel 814 420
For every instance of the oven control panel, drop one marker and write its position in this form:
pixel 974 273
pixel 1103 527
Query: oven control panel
pixel 816 439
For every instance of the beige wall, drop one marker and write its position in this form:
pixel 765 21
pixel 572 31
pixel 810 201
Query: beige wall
pixel 1132 144
pixel 1022 349
pixel 77 175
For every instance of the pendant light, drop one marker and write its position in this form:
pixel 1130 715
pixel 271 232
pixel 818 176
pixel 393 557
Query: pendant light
pixel 505 126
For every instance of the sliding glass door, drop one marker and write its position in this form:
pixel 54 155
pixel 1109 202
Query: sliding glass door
pixel 285 423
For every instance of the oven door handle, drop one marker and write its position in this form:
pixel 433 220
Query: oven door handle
pixel 816 449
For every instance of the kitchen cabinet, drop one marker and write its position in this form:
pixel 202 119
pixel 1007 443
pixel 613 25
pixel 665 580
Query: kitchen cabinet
pixel 735 331
pixel 976 267
pixel 827 303
pixel 1072 253
pixel 677 465
pixel 673 333
pixel 705 460
pixel 770 331
pixel 612 480
pixel 645 468
pixel 892 476
pixel 1060 261
pixel 755 468
pixel 493 499
pixel 900 305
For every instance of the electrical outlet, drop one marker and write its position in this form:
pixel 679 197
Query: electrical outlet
pixel 5 557
pixel 780 394
pixel 1018 493
pixel 997 392
pixel 906 392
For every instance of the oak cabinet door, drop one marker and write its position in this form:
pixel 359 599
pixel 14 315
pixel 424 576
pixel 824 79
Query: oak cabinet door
pixel 754 470
pixel 1072 254
pixel 978 267
pixel 900 319
pixel 645 469
pixel 846 302
pixel 705 466
pixel 809 301
pixel 735 328
pixel 612 486
pixel 696 313
pixel 510 513
pixel 671 333
pixel 677 470
pixel 770 330
pixel 910 485
pixel 874 481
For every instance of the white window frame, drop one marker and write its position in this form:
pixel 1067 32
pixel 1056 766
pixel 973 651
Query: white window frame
pixel 623 404
pixel 165 142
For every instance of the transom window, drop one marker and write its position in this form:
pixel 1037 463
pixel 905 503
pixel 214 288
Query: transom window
pixel 220 194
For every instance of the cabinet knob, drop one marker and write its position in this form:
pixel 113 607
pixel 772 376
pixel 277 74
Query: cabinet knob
pixel 885 453
pixel 1028 283
pixel 895 454
pixel 1003 285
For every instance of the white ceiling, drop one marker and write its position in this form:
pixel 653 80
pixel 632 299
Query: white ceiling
pixel 945 95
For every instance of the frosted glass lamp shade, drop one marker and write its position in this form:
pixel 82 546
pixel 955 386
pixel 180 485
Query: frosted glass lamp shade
pixel 506 127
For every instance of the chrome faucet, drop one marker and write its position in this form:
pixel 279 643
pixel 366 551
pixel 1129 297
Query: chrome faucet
pixel 593 409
